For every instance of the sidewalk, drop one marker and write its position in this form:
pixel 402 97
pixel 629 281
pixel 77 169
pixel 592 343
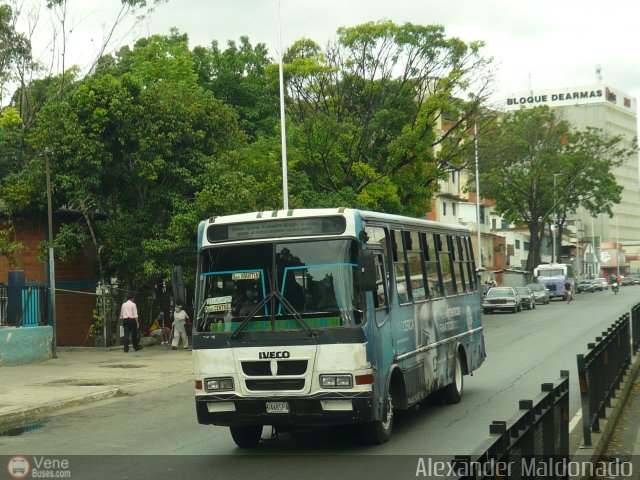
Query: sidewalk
pixel 81 375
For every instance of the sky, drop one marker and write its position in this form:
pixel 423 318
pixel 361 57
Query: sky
pixel 535 44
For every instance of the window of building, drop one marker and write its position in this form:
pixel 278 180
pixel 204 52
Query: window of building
pixel 517 244
pixel 453 209
pixel 444 208
pixel 526 246
pixel 493 223
pixel 504 224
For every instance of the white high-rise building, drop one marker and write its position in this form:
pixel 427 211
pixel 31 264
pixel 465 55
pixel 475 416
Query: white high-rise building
pixel 614 112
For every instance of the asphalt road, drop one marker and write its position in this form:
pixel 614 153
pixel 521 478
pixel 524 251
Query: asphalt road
pixel 156 433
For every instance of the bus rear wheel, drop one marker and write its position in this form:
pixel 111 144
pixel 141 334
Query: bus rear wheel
pixel 246 436
pixel 379 432
pixel 453 393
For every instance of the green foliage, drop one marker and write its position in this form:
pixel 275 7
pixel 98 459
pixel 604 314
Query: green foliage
pixel 239 76
pixel 535 167
pixel 8 246
pixel 371 109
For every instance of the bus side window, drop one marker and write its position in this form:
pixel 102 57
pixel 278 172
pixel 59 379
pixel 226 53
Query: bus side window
pixel 446 268
pixel 431 266
pixel 415 262
pixel 380 298
pixel 400 267
pixel 459 262
pixel 471 271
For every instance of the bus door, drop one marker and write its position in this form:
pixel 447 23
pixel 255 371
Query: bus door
pixel 380 343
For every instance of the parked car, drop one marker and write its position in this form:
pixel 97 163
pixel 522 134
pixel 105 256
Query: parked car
pixel 597 286
pixel 636 279
pixel 528 298
pixel 540 293
pixel 627 280
pixel 603 282
pixel 584 286
pixel 502 298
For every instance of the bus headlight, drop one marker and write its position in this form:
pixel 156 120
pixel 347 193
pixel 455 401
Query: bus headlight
pixel 218 384
pixel 336 381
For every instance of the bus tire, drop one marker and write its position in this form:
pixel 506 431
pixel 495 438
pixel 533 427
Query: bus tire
pixel 379 432
pixel 246 436
pixel 452 393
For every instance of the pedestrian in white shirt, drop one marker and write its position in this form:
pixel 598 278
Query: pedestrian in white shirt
pixel 129 318
pixel 180 318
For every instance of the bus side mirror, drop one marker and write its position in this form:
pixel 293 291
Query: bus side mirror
pixel 367 271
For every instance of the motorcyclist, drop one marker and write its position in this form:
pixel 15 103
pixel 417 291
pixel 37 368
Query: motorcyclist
pixel 615 284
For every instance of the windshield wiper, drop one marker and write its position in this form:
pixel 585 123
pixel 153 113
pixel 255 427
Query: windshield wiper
pixel 288 307
pixel 252 314
pixel 293 312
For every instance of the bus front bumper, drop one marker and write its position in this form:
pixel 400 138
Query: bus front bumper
pixel 329 409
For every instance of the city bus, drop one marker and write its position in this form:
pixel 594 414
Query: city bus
pixel 554 276
pixel 328 317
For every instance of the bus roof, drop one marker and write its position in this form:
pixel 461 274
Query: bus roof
pixel 320 212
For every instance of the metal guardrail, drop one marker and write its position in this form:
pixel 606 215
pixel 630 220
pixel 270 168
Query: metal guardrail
pixel 23 306
pixel 517 448
pixel 600 373
pixel 635 328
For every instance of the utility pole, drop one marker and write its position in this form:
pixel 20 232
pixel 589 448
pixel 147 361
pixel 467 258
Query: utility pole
pixel 283 132
pixel 52 275
pixel 475 145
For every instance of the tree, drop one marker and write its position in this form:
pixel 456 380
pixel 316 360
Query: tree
pixel 131 147
pixel 382 113
pixel 523 153
pixel 240 77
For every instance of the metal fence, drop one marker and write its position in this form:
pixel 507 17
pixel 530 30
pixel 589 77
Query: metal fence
pixel 23 306
pixel 600 373
pixel 635 328
pixel 538 434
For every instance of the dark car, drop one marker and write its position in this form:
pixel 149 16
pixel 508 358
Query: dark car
pixel 584 286
pixel 540 293
pixel 502 298
pixel 528 297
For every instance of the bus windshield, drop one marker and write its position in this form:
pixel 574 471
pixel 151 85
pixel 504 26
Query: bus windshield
pixel 316 279
pixel 551 272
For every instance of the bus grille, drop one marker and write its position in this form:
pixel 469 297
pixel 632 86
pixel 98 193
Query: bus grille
pixel 285 367
pixel 277 384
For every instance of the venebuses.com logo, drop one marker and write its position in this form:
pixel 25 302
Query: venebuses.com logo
pixel 38 467
pixel 18 467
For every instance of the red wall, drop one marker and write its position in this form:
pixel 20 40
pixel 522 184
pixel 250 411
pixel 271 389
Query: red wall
pixel 73 310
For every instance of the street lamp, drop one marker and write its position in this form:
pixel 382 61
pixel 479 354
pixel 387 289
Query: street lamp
pixel 555 220
pixel 475 147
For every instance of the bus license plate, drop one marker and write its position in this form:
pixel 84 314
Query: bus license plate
pixel 277 407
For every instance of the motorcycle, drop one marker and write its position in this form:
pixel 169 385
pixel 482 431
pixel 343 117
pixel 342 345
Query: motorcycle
pixel 615 287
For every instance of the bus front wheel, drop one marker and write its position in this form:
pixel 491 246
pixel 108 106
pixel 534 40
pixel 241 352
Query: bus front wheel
pixel 453 393
pixel 246 437
pixel 378 432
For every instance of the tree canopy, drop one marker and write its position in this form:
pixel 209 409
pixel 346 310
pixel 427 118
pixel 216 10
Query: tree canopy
pixel 535 166
pixel 158 136
pixel 382 113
